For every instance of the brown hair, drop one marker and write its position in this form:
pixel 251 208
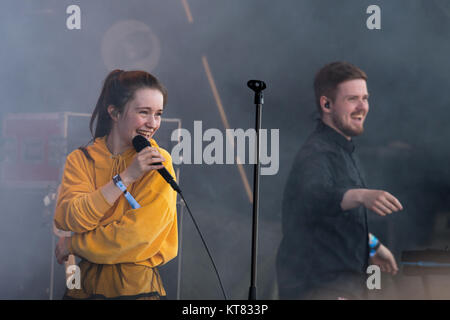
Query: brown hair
pixel 331 75
pixel 118 89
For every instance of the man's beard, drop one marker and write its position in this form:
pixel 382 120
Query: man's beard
pixel 345 129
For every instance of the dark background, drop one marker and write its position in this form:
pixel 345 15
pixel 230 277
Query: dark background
pixel 405 150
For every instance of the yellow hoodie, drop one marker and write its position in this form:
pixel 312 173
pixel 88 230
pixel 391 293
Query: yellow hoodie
pixel 119 246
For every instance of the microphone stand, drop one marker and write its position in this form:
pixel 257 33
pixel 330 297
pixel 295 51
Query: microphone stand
pixel 257 86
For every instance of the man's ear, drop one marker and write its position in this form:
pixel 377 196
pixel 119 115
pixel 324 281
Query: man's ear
pixel 324 104
pixel 113 112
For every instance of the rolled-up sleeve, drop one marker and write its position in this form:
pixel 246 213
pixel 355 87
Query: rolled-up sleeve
pixel 79 207
pixel 140 234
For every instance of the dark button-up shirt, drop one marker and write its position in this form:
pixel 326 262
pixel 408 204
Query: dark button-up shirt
pixel 323 247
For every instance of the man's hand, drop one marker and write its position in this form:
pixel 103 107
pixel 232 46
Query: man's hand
pixel 379 201
pixel 385 260
pixel 62 249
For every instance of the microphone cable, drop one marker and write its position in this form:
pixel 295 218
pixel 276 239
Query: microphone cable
pixel 204 243
pixel 140 142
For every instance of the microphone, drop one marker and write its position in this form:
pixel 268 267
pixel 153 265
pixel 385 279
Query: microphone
pixel 139 143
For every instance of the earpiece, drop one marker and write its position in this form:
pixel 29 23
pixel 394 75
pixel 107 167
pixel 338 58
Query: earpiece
pixel 327 105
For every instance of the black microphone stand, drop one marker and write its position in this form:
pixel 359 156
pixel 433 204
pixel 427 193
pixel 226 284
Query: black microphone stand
pixel 257 86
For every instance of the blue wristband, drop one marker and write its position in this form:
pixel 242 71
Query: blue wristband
pixel 373 241
pixel 118 182
pixel 374 244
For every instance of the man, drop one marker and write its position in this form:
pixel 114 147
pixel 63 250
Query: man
pixel 325 249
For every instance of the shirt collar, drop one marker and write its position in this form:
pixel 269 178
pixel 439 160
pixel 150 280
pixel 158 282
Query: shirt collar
pixel 336 137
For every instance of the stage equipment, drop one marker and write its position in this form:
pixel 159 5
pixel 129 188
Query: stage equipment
pixel 35 145
pixel 424 263
pixel 257 86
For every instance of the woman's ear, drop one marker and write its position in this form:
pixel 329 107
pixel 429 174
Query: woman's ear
pixel 113 112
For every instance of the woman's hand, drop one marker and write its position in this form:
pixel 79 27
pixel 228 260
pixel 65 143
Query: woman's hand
pixel 62 249
pixel 147 159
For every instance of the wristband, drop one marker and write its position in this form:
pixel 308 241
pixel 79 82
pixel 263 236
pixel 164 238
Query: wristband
pixel 374 244
pixel 118 182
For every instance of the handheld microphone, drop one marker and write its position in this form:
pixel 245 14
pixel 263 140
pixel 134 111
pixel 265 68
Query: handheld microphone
pixel 139 143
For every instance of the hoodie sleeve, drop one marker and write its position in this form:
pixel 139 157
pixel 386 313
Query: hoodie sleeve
pixel 79 207
pixel 149 232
